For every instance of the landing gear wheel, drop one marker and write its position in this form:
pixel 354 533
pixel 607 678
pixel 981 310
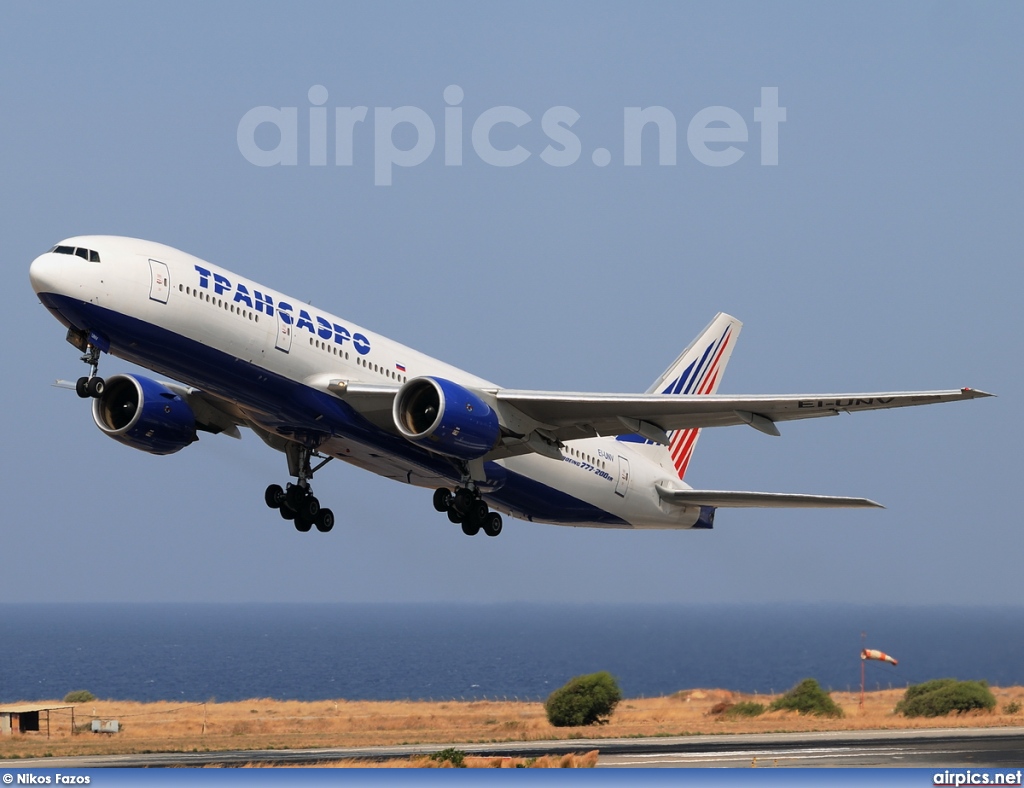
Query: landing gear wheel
pixel 443 499
pixel 310 508
pixel 296 500
pixel 462 501
pixel 82 388
pixel 95 387
pixel 324 520
pixel 492 524
pixel 470 528
pixel 274 496
pixel 454 516
pixel 294 497
pixel 477 513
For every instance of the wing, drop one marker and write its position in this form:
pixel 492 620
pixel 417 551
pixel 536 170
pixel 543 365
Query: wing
pixel 212 413
pixel 572 416
pixel 537 421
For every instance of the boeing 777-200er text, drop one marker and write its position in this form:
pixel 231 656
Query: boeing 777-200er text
pixel 318 388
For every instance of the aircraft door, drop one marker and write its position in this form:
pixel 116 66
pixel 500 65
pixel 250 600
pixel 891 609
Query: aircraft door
pixel 284 333
pixel 622 485
pixel 160 281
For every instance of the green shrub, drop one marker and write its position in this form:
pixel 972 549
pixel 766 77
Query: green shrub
pixel 1013 707
pixel 944 696
pixel 747 708
pixel 808 697
pixel 79 696
pixel 456 758
pixel 584 700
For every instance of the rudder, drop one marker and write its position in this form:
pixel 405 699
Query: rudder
pixel 697 370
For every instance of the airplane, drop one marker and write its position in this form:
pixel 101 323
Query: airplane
pixel 318 388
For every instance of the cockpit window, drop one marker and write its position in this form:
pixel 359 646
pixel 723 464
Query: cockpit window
pixel 86 254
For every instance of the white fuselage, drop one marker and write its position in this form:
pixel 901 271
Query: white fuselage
pixel 199 323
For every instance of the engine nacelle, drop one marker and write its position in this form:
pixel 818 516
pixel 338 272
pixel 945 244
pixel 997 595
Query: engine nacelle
pixel 144 414
pixel 446 418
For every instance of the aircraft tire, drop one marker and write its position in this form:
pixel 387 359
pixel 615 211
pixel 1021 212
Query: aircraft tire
pixel 82 387
pixel 462 501
pixel 294 497
pixel 492 524
pixel 310 508
pixel 454 516
pixel 302 525
pixel 95 387
pixel 442 499
pixel 324 520
pixel 287 512
pixel 477 513
pixel 274 496
pixel 470 529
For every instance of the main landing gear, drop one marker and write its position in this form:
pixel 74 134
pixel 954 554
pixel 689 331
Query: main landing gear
pixel 91 385
pixel 296 502
pixel 466 508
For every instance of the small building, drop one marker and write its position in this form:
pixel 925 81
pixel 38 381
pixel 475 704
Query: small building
pixel 25 718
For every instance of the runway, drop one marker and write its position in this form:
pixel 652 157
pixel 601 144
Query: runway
pixel 933 748
pixel 975 747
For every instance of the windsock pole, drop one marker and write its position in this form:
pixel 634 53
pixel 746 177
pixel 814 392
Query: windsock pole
pixel 865 655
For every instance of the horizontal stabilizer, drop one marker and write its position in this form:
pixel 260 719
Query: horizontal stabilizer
pixel 748 500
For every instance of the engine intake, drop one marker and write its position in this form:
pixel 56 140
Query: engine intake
pixel 144 414
pixel 446 418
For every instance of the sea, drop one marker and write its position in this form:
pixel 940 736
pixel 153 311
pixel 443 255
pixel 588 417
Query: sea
pixel 149 652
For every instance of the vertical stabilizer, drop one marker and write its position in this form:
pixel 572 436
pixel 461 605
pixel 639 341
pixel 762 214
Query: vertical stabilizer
pixel 698 370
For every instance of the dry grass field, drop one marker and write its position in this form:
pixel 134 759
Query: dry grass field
pixel 273 724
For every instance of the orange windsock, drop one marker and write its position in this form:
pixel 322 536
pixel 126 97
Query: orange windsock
pixel 874 653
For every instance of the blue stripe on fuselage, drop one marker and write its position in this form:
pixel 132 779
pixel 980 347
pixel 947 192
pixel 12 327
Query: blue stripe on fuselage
pixel 294 409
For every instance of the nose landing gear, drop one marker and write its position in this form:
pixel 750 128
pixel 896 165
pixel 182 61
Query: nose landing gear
pixel 465 507
pixel 91 385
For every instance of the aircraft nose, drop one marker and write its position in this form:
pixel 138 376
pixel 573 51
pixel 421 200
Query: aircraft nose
pixel 45 273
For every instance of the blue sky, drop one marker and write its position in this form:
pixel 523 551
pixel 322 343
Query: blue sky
pixel 881 253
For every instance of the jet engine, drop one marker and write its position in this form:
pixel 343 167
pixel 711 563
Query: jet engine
pixel 446 418
pixel 144 414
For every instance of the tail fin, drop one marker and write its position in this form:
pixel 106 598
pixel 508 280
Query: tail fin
pixel 698 370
